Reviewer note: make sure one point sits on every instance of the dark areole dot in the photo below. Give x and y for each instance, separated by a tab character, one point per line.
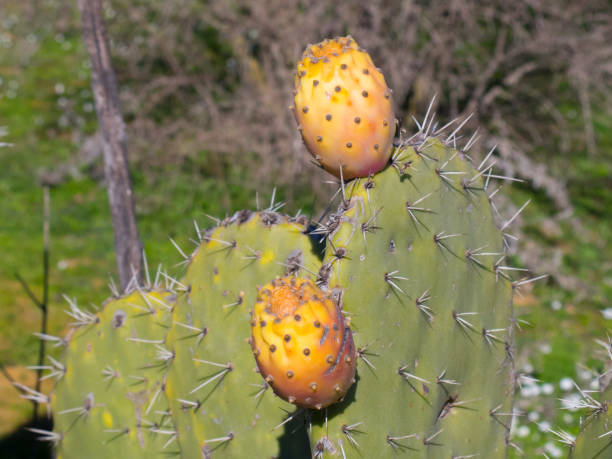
328	117
289	374
357	120
272	347
364	93
287	338
305	109
306	351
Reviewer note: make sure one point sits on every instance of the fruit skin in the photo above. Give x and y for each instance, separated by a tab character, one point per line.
343	108
301	344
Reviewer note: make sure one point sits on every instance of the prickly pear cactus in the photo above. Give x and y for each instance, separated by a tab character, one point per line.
343	108
109	401
407	323
413	250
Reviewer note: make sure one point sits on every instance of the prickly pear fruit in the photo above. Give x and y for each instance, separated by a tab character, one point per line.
301	343
343	108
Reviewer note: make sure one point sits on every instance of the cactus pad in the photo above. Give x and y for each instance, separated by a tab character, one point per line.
219	401
413	251
110	401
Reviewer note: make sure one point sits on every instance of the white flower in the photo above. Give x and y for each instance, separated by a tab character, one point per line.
522	431
607	313
544	426
566	384
547	388
533	416
553	449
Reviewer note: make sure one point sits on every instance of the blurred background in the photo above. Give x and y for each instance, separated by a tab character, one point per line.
205	88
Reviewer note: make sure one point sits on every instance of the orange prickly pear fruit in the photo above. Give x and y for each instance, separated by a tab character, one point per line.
302	345
343	108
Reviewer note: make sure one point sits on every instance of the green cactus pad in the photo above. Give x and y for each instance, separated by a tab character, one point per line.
110	402
411	253
220	405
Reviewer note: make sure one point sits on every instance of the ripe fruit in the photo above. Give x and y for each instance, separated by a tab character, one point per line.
302	345
343	108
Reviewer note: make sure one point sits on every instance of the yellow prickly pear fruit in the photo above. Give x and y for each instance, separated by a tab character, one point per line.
302	346
343	108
